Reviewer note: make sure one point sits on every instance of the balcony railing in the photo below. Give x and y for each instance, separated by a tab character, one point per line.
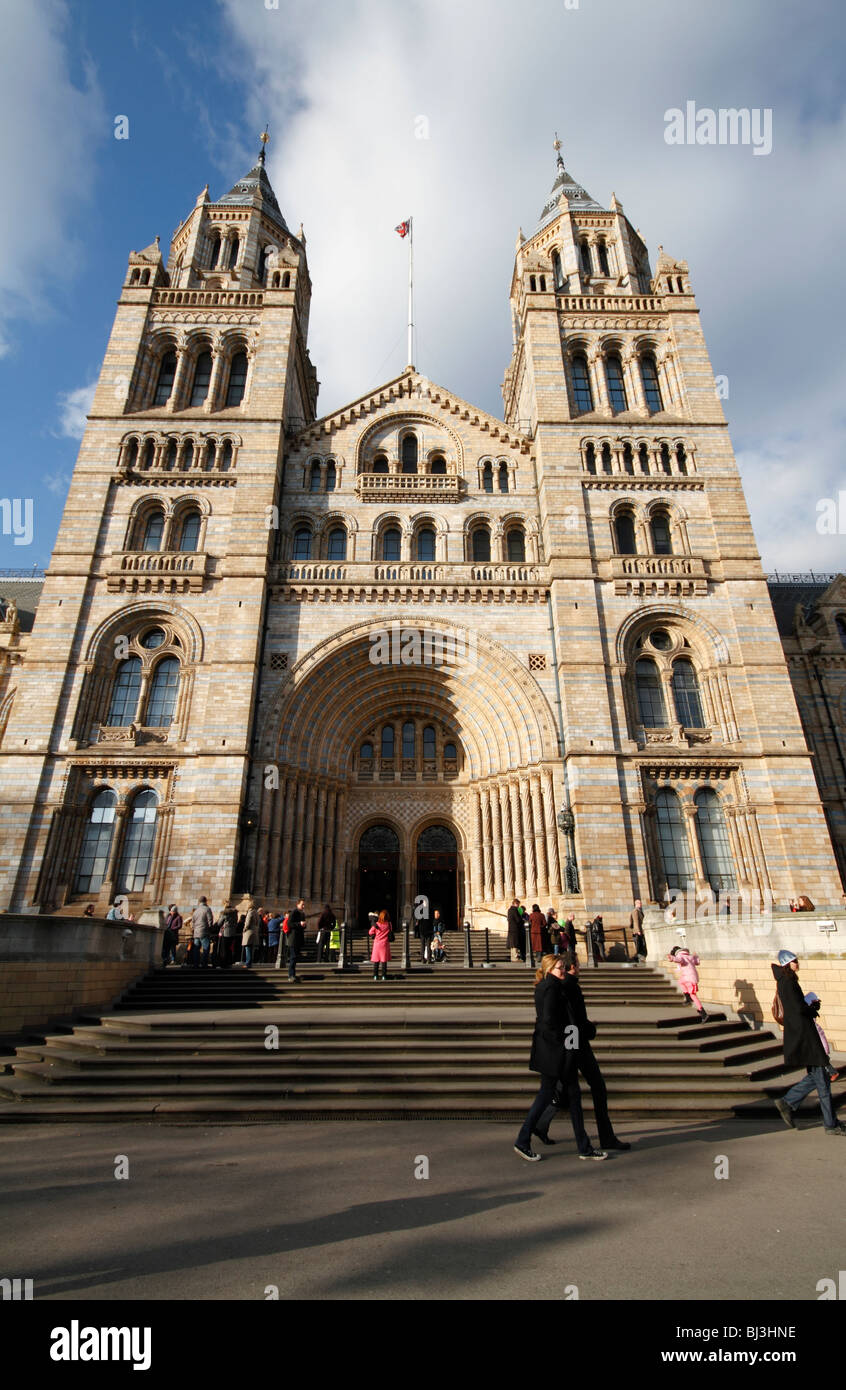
208	298
407	572
446	487
671	573
156	570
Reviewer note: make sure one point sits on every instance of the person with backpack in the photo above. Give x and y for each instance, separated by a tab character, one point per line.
802	1045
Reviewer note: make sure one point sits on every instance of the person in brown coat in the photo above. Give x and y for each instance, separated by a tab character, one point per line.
541	944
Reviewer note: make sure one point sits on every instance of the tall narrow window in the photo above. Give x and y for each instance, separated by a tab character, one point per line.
331	476
211	450
584	251
138	843
148	454
607	465
650	696
450	753
686	695
392	543
226	457
409	453
170	454
408	740
429	745
237	379
380	464
96	843
681	458
714	843
202	378
302	543
672	838
314	480
337	545
665	459
214	253
840	624
628	459
233	252
590	457
164	384
616	384
388	741
503	477
131	454
604	267
262	263
163	690
187	454
582	393
624	530
365	752
487	478
516	543
643	457
438	464
557	274
124	701
481	544
153	529
659	526
651	386
426	543
189	539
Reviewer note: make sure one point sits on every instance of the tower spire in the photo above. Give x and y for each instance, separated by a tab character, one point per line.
264	137
556	145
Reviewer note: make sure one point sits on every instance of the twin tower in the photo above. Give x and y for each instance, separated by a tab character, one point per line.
407	647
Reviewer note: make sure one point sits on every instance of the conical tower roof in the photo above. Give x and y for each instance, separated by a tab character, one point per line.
578	199
255	190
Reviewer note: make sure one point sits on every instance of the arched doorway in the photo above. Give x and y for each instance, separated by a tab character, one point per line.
378	873
438	876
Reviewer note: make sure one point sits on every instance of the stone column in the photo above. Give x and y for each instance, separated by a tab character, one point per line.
487	846
308	843
507	845
339	852
297	845
757	843
540	835
497	844
319	837
286	847
478	851
275	846
329	843
528	838
115	848
183	362
520	889
691	811
218	363
556	884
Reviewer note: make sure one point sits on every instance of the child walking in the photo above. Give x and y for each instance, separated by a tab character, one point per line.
812	998
688	976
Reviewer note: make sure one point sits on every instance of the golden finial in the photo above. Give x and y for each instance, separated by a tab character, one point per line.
264	137
556	144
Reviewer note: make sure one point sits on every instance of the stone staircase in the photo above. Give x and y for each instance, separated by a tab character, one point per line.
438	1043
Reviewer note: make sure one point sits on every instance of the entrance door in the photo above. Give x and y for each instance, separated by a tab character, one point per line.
437	873
378	874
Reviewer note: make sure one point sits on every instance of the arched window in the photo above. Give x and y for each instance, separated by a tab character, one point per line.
408	740
840	624
643	457
214	254
380	464
226	456
665	459
533	283
148	453
429	743
202	378
686	695
234	248
557	274
302	543
607	463
314	479
624	533
714	844
365	752
153	529
187	454
336	548
392	543
164	384
651	385
409	453
604	268
672	838
487	478
616	384
388	741
130	454
211	450
628	459
170	455
438	464
481	544
138	842
331	476
542	284
584	251
662	541
590	457
124	701
262	263
582	393
503	477
237	379
96	843
681	458
650	695
516	544
163	690
286	280
450	753
426	543
189	537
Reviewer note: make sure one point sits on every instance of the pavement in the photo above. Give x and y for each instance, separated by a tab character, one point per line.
336	1211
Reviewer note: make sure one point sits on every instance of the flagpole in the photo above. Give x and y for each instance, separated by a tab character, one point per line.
410	292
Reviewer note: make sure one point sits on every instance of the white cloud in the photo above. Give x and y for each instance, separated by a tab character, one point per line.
73	409
342	82
57	483
49	129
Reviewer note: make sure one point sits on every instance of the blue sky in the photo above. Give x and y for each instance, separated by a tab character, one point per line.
343	84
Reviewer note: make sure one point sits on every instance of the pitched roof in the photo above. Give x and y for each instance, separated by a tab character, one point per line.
787	592
255	189
25	593
578	199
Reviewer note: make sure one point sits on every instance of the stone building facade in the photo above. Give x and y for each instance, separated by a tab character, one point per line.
407	647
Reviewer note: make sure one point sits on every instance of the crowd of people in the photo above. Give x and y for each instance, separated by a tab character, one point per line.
200	940
553	934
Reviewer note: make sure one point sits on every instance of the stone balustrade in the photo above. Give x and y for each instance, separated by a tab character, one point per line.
156	570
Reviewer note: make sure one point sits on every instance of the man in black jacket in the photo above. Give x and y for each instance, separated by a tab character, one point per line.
802	1046
589	1068
295	937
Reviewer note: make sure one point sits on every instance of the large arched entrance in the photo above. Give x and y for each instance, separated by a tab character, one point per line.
378	873
439	876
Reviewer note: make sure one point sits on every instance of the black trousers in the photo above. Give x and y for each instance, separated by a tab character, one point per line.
587	1064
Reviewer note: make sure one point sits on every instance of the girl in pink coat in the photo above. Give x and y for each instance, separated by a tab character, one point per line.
381	954
688	976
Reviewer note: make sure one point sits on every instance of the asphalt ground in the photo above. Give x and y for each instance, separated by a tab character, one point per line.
337	1211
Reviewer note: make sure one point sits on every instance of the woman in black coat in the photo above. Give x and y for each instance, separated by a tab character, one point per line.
549	1055
802	1046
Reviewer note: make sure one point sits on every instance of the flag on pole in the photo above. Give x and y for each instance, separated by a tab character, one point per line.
404	228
